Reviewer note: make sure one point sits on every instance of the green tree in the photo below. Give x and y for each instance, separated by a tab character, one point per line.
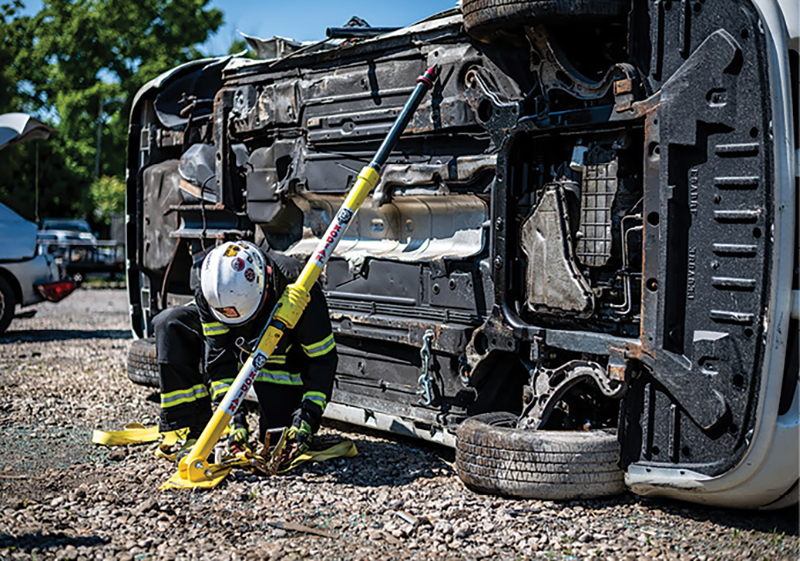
73	58
107	195
13	39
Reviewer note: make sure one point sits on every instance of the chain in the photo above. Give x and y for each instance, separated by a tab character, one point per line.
425	381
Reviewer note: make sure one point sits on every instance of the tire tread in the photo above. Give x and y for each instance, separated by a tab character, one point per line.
484	17
142	364
7	305
491	457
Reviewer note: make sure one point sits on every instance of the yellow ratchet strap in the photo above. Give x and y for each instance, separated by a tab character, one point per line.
136	433
345	449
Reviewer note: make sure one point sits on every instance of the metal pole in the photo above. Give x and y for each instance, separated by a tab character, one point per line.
36	186
424	83
99	138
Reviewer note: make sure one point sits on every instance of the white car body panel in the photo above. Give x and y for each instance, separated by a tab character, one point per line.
39	270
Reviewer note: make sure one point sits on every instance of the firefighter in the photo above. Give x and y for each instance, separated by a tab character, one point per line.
239	285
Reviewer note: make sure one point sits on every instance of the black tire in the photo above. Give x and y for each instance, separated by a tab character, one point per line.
142	363
494	457
485	18
8	303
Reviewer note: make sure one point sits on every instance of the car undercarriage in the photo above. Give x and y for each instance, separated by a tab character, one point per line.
588	223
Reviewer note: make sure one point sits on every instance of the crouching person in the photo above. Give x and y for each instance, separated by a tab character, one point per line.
239	286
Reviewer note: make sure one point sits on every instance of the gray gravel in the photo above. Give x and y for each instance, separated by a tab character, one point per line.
62	374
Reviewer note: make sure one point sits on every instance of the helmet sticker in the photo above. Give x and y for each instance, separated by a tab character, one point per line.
250	275
238	264
232	250
229	312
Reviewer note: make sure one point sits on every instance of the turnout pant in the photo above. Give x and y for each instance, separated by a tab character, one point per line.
185	397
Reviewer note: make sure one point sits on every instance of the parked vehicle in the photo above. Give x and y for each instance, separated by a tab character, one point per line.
77	249
26	275
76	227
580	265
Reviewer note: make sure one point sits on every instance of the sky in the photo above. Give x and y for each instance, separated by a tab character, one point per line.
306	20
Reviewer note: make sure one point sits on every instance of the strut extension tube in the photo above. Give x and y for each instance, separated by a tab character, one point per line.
194	470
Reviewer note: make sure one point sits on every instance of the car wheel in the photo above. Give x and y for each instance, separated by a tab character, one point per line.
142	363
493	456
7	304
484	19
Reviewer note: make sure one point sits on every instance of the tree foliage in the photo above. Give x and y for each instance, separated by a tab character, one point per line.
73	64
107	195
13	39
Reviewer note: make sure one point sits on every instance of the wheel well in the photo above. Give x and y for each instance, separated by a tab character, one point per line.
501	387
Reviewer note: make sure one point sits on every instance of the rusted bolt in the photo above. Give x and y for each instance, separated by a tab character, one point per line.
623	86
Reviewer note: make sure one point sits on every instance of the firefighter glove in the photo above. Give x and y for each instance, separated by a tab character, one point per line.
298	439
237	440
299	434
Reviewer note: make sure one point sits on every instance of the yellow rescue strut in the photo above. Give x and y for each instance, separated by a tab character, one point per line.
194	470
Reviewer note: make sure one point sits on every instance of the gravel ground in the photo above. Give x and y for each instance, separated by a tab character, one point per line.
62	375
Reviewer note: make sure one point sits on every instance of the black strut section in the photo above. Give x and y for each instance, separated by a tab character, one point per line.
357	32
685	27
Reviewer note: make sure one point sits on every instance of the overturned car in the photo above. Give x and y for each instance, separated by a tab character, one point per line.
579	267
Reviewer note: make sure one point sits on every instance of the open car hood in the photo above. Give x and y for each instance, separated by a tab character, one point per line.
19	127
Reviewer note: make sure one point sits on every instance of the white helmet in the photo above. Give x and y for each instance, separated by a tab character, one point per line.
233	279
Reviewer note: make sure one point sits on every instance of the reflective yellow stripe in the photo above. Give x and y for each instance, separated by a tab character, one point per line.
277	359
220	387
214	328
321	348
279	377
317	397
171	399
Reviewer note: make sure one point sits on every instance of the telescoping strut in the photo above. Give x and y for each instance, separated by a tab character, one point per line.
194	470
